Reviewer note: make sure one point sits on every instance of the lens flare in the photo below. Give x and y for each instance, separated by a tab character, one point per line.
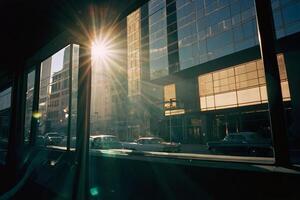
101	50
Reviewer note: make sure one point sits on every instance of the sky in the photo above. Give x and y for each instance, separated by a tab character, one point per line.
57	61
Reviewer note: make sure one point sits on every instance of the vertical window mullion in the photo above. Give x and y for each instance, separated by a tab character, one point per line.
70	98
35	106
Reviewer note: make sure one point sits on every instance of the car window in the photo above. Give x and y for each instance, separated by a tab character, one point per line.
141	141
155	141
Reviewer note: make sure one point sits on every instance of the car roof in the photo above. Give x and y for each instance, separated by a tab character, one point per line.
97	136
149	138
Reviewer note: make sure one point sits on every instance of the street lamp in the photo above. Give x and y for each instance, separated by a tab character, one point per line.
172	100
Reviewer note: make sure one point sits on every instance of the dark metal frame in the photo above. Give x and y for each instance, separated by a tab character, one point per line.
2	88
25	78
70	98
81	186
35	105
267	38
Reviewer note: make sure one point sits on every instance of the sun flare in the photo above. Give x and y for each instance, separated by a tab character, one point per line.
101	50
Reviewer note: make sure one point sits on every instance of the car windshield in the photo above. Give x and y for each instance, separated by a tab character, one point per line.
109	139
155	141
53	135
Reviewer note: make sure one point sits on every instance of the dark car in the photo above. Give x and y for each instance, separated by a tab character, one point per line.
53	138
152	144
242	143
105	142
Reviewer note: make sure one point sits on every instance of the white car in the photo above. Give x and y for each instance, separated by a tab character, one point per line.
105	142
152	144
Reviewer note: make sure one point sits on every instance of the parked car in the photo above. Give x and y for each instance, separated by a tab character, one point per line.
105	142
53	138
40	140
152	144
243	143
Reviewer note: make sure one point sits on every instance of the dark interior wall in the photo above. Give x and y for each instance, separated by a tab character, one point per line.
138	177
133	179
27	26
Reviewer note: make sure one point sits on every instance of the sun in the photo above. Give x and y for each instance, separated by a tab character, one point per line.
101	50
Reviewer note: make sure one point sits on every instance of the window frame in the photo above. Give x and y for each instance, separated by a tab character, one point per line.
3	87
34	63
61	42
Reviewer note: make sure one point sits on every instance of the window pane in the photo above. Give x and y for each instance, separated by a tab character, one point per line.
28	105
5	103
54	99
246	80
217	107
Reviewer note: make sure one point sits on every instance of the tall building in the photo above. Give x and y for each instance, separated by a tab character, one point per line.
45	78
109	87
197	65
101	98
58	103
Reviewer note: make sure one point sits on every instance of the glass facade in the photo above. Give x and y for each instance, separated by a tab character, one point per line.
237	86
170	96
211	29
286	17
183	33
134	52
158	39
194	32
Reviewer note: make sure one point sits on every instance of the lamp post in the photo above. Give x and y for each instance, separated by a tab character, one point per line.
172	100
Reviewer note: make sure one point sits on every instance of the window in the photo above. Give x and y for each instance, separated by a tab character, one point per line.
57	108
240	85
5	103
134	49
29	105
170	96
212	108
